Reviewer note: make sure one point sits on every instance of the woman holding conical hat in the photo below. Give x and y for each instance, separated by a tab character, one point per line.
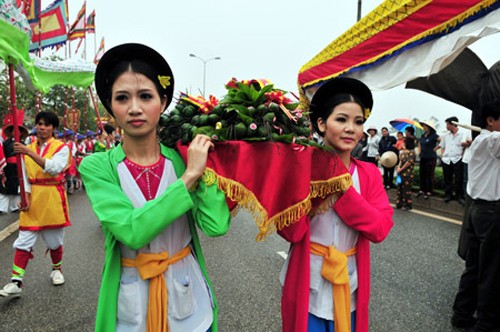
326	277
149	203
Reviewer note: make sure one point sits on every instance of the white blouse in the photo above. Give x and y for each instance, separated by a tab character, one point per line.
328	229
189	300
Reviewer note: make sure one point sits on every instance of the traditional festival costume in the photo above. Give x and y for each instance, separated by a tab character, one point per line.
138	229
48	213
89	145
370	221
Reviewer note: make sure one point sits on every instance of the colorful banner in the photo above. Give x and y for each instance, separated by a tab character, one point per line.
100	52
30	8
15	34
398	28
53	24
77	29
42	74
90	26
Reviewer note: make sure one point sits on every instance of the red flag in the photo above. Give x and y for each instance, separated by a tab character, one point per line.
100	52
77	29
90	26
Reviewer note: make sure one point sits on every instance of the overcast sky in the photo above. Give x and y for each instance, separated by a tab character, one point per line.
254	39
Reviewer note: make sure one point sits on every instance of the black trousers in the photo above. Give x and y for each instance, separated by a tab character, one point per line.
388	176
463	240
427	168
480	282
453	179
372	160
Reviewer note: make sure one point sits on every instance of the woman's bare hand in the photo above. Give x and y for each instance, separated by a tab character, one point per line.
197	159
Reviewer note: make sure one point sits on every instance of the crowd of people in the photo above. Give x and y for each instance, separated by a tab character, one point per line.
398	168
154	276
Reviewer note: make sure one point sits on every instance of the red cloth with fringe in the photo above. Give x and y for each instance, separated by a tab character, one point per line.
277	182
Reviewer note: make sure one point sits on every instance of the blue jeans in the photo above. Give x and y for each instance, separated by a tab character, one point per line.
316	324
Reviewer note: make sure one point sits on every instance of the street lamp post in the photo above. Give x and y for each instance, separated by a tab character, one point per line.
204	68
359	10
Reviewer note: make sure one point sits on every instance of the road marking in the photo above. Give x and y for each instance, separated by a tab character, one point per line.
434	216
9	230
283	254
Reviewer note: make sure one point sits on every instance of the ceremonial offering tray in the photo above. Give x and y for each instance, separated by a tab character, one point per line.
251	111
264	160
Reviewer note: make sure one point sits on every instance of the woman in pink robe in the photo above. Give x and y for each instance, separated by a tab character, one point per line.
360	215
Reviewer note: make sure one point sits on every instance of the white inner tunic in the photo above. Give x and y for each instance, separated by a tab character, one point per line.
189	300
328	229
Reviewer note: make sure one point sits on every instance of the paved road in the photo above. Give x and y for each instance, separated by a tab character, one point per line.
414	277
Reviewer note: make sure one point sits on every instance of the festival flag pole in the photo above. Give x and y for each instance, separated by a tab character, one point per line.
38	93
96	108
68	41
85	36
12	84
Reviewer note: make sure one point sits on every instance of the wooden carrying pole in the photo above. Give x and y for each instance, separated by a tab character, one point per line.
16	135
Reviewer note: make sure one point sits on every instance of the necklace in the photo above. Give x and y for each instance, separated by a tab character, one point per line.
147	177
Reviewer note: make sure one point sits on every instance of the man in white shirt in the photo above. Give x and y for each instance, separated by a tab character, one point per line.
451	161
372	146
479	288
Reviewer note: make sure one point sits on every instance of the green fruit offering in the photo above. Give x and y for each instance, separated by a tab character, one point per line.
176	119
262	109
274	107
203	120
213	118
195	120
164	120
188	111
180	107
262	131
218	110
249	111
268	117
186	126
174	112
240	130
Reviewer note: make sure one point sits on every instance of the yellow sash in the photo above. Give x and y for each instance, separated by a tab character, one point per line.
334	269
152	266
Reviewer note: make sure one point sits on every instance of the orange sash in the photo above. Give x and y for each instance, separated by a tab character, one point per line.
334	269
152	266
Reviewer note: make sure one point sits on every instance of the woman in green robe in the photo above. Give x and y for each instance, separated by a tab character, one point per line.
149	203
